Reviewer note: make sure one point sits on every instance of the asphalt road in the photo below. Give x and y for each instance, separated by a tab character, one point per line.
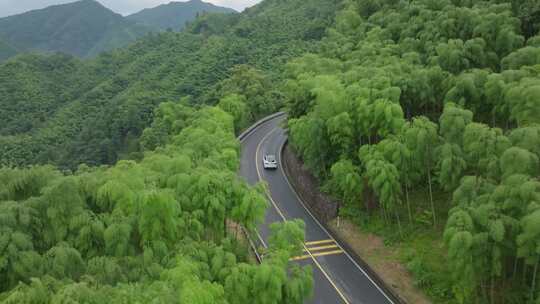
338	278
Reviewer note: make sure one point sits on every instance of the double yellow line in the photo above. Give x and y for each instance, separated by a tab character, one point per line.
309	254
319	248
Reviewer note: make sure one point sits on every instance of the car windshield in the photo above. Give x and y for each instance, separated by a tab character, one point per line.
271	158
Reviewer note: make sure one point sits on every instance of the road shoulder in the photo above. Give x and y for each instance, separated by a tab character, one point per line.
384	260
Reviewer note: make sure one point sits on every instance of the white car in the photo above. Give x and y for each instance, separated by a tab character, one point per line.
269	162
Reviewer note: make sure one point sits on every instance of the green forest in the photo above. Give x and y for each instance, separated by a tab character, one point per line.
118	174
65	111
159	230
119	180
425	116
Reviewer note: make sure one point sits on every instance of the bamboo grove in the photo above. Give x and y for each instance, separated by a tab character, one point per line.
434	97
162	230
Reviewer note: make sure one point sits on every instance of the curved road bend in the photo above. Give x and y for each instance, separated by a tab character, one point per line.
338	279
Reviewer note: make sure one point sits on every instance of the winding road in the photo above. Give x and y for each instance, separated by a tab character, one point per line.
338	278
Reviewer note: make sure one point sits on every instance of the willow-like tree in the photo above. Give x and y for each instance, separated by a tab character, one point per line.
528	244
422	139
345	181
160	222
383	178
452	123
450	162
235	105
519	161
483	146
524	101
527	138
459	240
397	153
250	209
340	129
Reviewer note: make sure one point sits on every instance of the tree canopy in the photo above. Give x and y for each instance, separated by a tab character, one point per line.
162	229
438	98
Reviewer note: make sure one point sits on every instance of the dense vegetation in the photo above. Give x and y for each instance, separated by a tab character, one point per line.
6	50
83	28
162	230
162	224
433	99
175	15
421	116
67	112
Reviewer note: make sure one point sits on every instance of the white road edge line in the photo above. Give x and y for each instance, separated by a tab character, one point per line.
260	238
242	137
322	227
257	150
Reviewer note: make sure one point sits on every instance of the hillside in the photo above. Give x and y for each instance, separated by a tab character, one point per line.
175	15
97	109
423	118
83	28
118	175
420	118
6	50
161	230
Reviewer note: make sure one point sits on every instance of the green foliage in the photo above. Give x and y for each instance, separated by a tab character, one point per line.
384	180
252	85
345	182
236	106
340	132
154	230
427	91
519	161
527	138
451	166
288	237
379	109
524	102
6	51
483	146
453	122
67	112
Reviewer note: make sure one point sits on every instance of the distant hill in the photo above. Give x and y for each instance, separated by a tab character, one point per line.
83	28
6	50
175	14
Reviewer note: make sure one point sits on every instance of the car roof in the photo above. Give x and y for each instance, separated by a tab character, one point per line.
270	157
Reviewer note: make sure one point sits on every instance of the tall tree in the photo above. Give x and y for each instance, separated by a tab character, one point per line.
422	139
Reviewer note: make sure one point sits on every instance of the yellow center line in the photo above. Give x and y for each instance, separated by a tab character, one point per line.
267	192
307	256
319	242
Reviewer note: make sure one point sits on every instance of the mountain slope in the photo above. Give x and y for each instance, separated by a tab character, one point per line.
112	97
6	50
175	15
80	28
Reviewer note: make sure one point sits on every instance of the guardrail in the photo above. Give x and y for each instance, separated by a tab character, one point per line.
254	126
241	137
365	266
